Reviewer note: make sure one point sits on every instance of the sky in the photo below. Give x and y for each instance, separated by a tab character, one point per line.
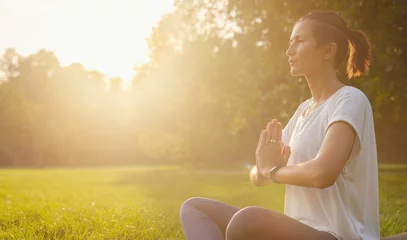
104	35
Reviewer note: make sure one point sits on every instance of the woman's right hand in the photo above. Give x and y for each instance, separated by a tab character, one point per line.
285	154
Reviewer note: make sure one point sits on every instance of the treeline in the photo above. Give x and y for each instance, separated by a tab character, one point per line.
218	73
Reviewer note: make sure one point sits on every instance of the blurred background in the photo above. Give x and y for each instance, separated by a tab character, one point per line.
185	82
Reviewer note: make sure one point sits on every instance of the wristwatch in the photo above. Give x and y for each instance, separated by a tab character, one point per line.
272	172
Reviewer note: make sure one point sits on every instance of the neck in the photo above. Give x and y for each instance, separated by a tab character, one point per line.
323	85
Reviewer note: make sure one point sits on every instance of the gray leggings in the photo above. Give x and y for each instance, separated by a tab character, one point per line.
207	219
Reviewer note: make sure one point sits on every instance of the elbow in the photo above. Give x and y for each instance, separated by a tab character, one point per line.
258	183
322	179
256	178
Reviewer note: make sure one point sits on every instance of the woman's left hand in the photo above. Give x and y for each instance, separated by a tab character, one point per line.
269	151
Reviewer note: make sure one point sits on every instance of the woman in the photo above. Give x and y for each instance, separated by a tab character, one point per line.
326	155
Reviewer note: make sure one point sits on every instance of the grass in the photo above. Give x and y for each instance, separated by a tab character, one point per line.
393	167
141	203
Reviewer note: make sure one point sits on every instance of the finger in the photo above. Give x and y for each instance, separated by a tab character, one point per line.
287	154
283	149
270	124
263	139
267	137
260	137
279	131
258	148
269	129
261	134
274	133
282	145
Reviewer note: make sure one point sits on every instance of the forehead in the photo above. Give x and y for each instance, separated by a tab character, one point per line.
302	29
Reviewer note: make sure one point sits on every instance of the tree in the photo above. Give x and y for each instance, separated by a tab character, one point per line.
226	60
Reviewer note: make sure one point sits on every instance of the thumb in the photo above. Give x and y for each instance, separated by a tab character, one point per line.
287	153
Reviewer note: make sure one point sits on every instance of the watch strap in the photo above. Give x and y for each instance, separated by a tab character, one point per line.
272	173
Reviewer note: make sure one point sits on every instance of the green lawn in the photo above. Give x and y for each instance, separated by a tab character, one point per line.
141	203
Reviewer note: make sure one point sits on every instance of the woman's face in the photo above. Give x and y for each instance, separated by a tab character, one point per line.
304	55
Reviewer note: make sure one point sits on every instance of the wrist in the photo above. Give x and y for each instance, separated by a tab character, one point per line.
272	173
262	176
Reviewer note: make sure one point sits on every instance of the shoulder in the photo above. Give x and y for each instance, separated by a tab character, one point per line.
349	103
351	95
349	91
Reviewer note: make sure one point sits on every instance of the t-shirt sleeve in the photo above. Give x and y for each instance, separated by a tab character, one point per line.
350	107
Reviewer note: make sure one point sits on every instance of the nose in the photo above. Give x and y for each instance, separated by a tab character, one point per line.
290	51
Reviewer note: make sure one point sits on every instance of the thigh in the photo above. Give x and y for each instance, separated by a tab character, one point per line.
219	212
261	223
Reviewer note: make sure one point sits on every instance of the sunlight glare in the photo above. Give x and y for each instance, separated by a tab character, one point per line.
107	36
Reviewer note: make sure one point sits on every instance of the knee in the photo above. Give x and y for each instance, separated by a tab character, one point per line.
244	224
189	204
244	216
192	202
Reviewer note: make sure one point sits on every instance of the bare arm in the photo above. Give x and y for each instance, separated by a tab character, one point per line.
322	171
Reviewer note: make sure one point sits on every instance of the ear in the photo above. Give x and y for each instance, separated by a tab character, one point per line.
330	50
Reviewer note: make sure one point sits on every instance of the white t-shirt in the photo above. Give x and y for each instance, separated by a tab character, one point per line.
349	209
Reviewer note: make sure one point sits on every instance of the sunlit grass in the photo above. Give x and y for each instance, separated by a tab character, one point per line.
393	167
140	203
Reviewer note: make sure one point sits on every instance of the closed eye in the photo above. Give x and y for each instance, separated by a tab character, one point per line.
295	41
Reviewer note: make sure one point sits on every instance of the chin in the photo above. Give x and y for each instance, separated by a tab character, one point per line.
296	73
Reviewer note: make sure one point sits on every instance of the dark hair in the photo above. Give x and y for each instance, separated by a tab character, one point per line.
330	27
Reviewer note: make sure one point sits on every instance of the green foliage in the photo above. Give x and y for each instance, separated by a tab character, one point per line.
225	61
54	115
141	203
218	73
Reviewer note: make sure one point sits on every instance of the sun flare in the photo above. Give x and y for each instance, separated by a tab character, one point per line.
107	36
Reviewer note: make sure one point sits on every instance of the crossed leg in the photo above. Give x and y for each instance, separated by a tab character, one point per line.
209	219
205	219
264	224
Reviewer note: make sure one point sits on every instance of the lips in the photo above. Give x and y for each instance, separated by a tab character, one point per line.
291	62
